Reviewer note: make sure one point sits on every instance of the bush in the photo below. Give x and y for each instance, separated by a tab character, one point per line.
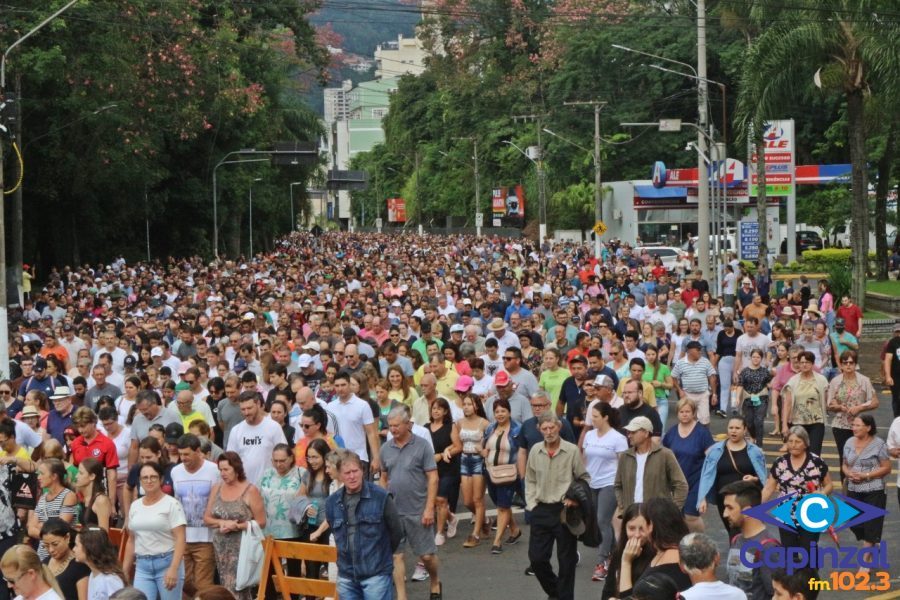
823	259
778	267
840	280
794	265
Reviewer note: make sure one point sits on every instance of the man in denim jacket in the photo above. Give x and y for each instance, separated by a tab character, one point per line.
367	531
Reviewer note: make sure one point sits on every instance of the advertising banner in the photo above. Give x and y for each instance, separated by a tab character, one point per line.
396	210
508	206
780	149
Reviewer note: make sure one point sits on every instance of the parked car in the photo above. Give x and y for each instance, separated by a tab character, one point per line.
668	254
806	240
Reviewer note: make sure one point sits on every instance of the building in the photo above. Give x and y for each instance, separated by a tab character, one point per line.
405	56
337	102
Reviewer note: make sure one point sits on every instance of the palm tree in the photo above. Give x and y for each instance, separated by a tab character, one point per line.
850	46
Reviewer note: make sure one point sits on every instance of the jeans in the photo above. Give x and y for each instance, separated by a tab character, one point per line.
725	368
605	501
662	407
149	574
379	587
547	529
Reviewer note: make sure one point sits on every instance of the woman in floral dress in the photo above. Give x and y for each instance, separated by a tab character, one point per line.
797	472
232	505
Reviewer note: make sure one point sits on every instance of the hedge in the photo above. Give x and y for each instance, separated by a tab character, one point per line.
823	259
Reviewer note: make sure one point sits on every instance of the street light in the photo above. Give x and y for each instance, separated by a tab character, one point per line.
252	181
225	161
540	175
293	222
702	93
598	207
4	325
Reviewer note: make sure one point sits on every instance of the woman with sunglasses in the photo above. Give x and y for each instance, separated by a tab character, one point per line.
849	395
156	544
26	577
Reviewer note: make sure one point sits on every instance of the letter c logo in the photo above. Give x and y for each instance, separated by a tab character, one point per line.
815	513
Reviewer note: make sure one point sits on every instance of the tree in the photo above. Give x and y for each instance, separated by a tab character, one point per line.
852	51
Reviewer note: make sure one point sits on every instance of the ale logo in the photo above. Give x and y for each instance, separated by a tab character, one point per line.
814	512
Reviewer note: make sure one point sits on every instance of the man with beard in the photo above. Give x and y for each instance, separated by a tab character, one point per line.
572	394
634	407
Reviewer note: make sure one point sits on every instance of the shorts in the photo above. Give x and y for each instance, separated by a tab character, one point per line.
502	495
471	465
416	537
448	485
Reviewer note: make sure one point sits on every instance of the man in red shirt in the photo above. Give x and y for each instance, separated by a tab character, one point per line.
852	316
689	293
93	444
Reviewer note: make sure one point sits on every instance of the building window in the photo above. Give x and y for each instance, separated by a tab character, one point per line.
379	113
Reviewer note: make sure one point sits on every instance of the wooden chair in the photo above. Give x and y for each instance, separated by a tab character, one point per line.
302	586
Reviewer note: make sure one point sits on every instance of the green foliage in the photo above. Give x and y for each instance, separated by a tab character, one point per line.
128	107
840	280
794	265
778	267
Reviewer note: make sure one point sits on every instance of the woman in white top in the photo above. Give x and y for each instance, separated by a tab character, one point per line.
124	402
156	544
93	548
26	576
600	448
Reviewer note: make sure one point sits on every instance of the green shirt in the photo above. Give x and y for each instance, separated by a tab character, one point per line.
551	382
662	372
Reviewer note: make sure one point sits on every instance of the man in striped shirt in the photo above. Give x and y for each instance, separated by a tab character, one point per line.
695	378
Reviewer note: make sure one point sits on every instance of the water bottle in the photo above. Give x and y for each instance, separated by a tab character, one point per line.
314	518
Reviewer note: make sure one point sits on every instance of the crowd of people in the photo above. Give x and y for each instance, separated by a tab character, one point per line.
360	390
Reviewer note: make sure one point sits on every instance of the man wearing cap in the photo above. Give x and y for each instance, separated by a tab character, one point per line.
552	466
892	369
39	380
60	416
497	330
520	410
695	378
93	444
647	469
311	375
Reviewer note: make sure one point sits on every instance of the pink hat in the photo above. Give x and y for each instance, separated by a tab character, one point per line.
502	379
464	384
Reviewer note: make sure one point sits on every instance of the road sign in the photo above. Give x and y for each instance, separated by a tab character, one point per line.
479	219
378	223
599	228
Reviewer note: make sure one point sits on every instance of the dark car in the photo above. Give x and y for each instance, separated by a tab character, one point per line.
806	240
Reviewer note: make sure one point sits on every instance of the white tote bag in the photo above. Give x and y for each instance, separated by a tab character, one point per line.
250	561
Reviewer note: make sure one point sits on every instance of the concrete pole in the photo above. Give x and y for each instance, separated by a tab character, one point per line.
477	191
598	194
703	183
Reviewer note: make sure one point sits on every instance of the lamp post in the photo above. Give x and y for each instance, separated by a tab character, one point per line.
598	208
540	175
4	325
293	222
702	92
225	161
252	181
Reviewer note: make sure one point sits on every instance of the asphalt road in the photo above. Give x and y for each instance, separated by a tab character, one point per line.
477	574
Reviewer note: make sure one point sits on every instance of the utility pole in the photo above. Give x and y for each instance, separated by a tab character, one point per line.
702	172
416	195
539	163
598	193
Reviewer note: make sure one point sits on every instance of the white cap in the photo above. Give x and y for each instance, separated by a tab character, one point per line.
304	361
158	351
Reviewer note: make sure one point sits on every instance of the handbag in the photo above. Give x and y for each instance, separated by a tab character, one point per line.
25	490
250	558
501	474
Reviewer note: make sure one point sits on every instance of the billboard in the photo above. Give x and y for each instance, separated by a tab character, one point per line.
396	208
780	147
508	206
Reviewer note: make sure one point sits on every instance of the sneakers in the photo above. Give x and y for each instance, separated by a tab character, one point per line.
420	574
471	542
529	571
722	414
439	539
496	550
514	539
451	526
599	572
